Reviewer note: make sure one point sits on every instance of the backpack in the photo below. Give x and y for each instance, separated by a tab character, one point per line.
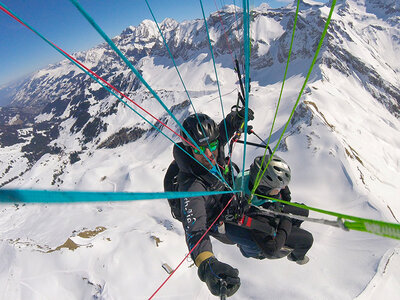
171	185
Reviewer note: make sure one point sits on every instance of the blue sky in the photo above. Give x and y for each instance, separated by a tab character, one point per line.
22	52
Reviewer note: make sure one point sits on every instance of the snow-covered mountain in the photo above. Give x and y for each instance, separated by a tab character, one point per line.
342	145
8	91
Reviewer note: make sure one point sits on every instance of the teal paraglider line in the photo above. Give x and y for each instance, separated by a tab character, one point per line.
180	77
280	94
86	70
45	196
138	75
170	54
215	68
246	37
216	75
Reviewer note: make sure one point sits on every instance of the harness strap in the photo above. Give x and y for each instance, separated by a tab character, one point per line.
253	224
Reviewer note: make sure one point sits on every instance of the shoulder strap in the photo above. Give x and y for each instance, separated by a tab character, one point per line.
170	176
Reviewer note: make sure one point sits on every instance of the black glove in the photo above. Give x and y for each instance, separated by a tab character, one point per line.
249	129
285	224
277	206
241	114
237	117
212	271
271	245
286	194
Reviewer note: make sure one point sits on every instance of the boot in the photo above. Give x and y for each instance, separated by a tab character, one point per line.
303	261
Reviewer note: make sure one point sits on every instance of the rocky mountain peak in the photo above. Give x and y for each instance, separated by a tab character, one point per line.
72	106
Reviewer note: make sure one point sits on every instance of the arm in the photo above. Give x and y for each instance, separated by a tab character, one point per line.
234	121
288	209
270	245
210	270
195	224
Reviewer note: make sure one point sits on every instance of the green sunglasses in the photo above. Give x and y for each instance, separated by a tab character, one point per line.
212	147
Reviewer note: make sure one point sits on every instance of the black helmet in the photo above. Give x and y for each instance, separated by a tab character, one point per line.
276	176
202	135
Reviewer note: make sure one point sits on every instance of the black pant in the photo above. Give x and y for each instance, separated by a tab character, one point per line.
300	241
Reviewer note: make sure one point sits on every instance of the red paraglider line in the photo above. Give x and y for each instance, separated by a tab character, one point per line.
165	281
97	76
226	36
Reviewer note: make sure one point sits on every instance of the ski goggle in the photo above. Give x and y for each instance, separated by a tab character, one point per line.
212	147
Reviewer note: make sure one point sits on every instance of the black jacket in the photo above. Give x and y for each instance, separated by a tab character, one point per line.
271	245
200	212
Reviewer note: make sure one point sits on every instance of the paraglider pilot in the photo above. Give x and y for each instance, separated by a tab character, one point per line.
198	213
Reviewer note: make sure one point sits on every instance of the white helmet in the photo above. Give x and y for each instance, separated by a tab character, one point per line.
276	176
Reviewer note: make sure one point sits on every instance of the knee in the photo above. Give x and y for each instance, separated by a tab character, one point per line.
308	238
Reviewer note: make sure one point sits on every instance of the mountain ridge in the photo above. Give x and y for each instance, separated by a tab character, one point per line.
342	145
62	92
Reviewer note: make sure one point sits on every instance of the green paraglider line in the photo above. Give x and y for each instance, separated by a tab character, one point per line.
386	229
258	178
31	196
300	94
95	77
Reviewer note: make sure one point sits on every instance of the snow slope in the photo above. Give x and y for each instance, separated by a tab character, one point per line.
342	146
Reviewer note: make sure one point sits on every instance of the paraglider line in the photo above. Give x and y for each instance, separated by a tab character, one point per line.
300	94
180	77
139	76
80	66
257	180
190	252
